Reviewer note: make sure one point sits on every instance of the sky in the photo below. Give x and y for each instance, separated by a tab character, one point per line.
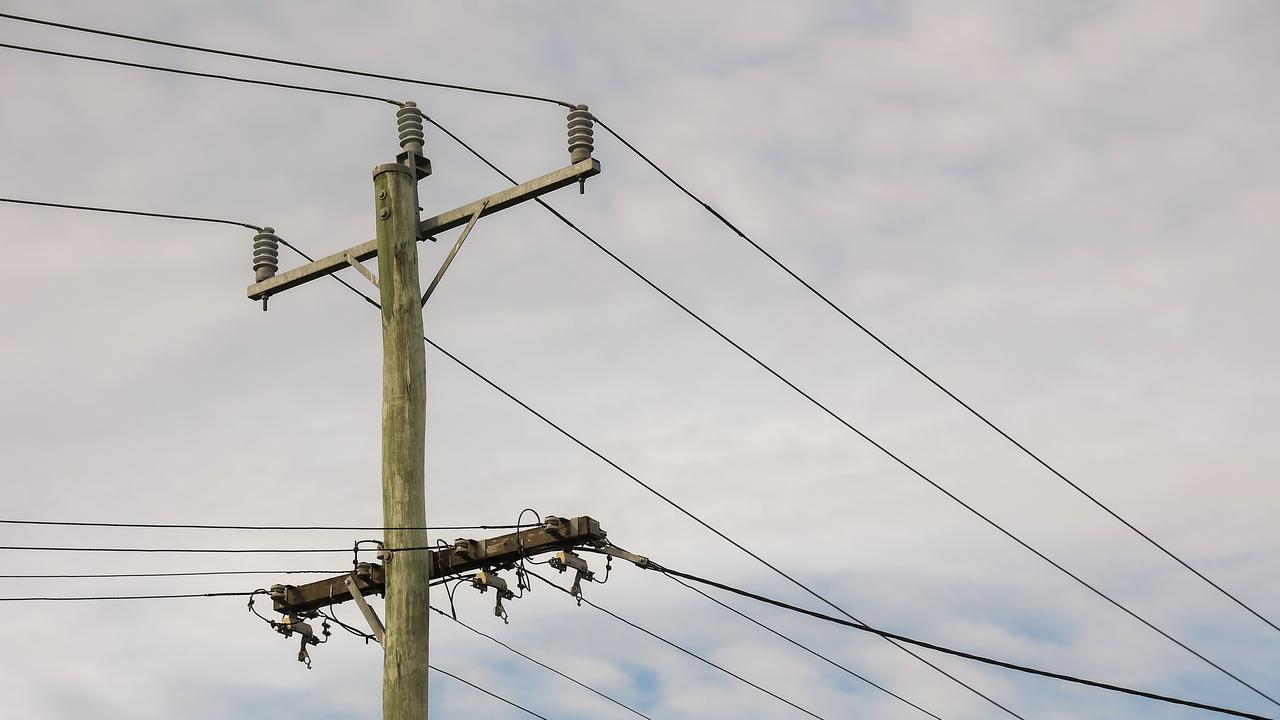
1066	213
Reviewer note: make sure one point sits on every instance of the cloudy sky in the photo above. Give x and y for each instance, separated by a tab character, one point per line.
1065	211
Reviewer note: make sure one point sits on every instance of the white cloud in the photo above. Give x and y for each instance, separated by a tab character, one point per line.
1063	211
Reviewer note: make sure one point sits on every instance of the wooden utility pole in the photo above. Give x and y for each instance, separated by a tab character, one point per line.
404	419
404	391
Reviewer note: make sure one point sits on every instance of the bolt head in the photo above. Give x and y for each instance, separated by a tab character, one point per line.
384	213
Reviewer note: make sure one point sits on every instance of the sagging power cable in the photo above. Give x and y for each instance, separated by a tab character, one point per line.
862	627
671	644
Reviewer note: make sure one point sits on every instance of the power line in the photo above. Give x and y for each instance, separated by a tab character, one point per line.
169	596
684	650
541	664
487	692
168	574
922	373
802	646
874	443
290	63
44	548
118	211
180	526
950	651
193	73
180	550
124	597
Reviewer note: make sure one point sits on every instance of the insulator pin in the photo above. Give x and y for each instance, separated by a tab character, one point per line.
266	254
581	134
409	121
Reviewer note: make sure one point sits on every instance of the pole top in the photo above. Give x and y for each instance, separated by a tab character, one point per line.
391	167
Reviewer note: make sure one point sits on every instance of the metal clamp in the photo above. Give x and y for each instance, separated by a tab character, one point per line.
486	579
565	560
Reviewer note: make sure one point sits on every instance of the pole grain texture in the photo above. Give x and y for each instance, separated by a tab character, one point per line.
404	397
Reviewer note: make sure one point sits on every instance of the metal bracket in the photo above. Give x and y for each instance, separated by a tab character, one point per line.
567	559
614	551
355	263
454	251
486	579
370	616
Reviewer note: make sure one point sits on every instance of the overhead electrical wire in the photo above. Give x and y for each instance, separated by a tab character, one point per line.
82	576
438	581
671	644
193	73
950	651
706	206
490	693
290	63
124	597
801	645
543	665
209	550
117	211
42	548
181	526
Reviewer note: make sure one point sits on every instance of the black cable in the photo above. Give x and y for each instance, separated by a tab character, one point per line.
290	63
688	652
543	665
950	651
804	647
637	480
874	443
174	550
198	550
179	526
170	574
932	381
118	211
193	73
486	692
126	597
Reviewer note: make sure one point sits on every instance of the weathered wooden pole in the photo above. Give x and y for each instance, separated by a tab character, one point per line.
404	391
404	419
